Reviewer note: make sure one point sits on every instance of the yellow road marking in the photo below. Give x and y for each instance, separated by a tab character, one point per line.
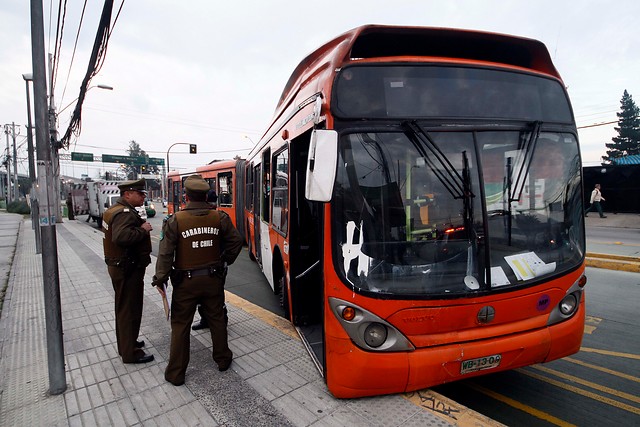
581	392
601	369
614	243
610	353
595	321
448	409
590	384
521	406
590	324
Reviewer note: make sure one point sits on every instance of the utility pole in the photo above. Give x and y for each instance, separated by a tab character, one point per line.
47	214
16	180
9	192
12	193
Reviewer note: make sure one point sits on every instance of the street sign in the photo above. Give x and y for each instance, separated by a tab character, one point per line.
155	161
110	158
82	157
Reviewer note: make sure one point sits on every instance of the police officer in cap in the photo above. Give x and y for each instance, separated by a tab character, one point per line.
196	245
127	249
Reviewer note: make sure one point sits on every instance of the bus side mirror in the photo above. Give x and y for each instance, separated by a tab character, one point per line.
321	165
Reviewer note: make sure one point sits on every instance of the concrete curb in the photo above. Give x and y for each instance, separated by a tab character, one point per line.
613	262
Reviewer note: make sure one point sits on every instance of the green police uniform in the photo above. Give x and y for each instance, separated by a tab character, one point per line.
127	249
197	242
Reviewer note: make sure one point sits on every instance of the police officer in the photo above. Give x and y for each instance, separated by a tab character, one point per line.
198	242
127	249
212	199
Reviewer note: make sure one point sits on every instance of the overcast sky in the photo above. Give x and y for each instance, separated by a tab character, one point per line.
210	72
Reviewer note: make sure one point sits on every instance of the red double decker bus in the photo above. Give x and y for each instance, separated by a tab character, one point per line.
417	203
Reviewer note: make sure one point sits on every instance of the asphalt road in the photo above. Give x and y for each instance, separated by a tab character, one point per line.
611	240
599	386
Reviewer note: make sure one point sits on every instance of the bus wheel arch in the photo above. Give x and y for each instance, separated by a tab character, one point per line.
281	285
252	257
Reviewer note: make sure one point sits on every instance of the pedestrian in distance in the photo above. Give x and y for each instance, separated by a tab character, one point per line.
127	253
596	198
197	244
70	212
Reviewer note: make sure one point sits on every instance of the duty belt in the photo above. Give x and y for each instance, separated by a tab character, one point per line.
200	272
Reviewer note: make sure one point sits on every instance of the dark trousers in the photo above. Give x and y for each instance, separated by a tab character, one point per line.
598	207
129	288
209	293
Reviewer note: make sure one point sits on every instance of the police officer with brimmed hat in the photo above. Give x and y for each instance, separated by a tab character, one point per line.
139	186
197	244
127	252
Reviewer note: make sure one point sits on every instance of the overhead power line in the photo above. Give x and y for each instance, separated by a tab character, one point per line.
598	124
95	63
75	46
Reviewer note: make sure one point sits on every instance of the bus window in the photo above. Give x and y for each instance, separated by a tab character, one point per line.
266	185
280	192
225	189
249	187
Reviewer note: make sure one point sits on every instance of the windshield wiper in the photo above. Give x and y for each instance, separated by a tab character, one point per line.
524	160
446	173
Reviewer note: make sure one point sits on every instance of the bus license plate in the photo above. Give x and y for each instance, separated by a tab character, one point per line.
487	362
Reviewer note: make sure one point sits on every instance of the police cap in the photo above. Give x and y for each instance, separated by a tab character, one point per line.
138	185
195	184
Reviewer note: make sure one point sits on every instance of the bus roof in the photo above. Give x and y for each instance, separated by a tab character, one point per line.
376	41
217	165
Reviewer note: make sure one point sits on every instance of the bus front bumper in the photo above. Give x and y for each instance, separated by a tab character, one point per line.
352	372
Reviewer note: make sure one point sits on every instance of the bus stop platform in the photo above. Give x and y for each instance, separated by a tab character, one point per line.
272	381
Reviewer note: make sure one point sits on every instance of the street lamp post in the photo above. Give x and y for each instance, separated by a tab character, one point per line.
32	168
105	87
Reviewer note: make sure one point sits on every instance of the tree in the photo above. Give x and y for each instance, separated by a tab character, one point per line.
628	140
132	171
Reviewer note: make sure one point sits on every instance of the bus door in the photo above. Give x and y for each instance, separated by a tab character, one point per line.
264	245
256	211
305	240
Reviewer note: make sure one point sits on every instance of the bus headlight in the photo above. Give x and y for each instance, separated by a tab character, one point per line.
375	335
568	305
367	330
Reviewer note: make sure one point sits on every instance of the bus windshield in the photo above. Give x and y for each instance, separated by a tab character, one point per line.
436	214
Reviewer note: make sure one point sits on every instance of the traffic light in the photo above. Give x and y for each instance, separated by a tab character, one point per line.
193	149
143	168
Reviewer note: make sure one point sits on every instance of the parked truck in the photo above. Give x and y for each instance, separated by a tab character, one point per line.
102	195
79	198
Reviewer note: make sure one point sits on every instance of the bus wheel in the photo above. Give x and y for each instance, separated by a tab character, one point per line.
284	295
